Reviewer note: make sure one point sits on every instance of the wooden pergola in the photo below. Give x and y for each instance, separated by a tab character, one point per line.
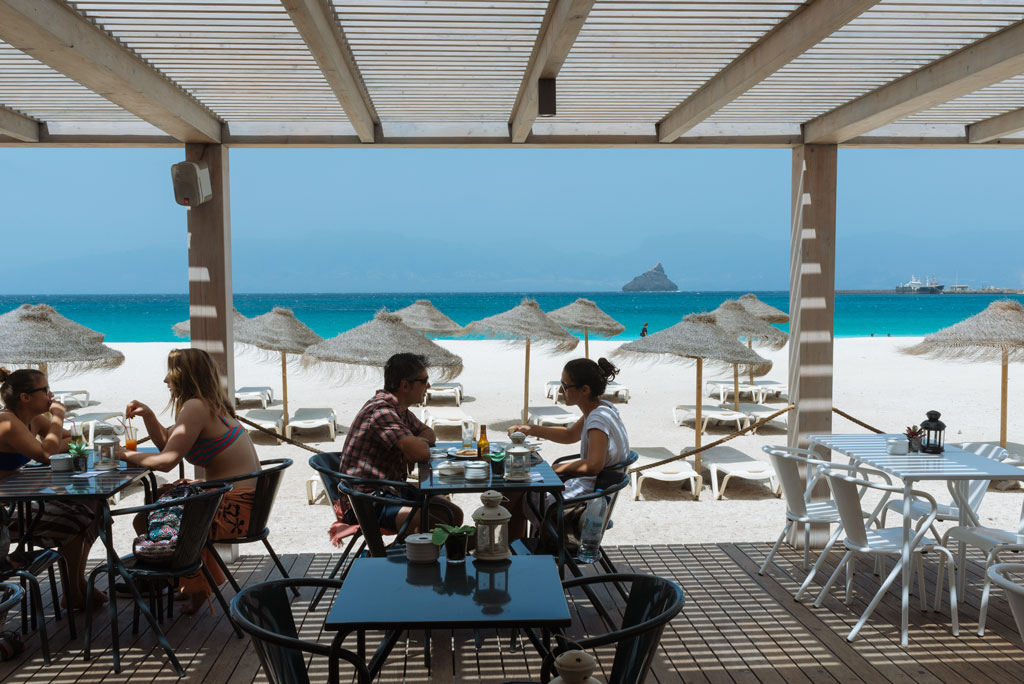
810	76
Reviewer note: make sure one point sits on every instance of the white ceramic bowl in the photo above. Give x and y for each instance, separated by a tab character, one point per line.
897	446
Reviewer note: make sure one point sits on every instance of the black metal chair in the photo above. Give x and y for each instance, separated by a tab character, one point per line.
264	613
362	504
651	603
27	563
197	515
327	464
268	481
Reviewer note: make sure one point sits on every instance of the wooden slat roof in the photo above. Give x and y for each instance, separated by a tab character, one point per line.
453	72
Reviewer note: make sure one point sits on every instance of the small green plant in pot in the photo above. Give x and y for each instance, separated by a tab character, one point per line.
914	434
80	455
455	540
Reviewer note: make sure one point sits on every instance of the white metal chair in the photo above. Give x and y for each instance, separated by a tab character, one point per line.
801	508
1014	590
992	542
975	491
881	542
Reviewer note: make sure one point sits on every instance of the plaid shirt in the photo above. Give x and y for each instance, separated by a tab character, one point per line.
371	447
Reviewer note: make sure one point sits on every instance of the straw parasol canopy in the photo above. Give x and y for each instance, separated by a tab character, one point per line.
695	337
585	315
37	334
525	322
374	342
280	331
766	312
995	334
733	318
184	328
423	316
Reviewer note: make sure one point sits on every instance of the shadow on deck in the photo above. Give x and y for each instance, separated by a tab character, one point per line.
735	627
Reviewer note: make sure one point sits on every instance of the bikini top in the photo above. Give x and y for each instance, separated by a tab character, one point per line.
203	451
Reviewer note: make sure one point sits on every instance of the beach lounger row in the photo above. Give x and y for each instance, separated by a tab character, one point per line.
615	390
759	390
721	461
302	419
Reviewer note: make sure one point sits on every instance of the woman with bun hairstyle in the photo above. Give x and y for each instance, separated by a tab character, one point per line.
207	434
601	433
28	434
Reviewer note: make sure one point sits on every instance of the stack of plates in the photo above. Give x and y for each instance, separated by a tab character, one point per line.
477	470
419	548
451	469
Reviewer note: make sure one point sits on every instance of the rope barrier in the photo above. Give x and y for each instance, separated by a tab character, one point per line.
725	439
850	418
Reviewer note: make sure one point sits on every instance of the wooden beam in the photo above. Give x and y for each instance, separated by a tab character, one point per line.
988	61
555	39
800	31
996	127
53	33
18	126
326	41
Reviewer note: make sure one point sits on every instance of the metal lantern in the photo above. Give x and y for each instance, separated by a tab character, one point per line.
491	522
934	433
517	463
106	458
492	586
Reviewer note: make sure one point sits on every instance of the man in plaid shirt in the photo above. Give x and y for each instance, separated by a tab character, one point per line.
386	440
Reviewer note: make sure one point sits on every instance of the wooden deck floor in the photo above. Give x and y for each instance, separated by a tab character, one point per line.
735	627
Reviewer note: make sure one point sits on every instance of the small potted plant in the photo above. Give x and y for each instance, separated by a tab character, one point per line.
79	455
914	434
454	539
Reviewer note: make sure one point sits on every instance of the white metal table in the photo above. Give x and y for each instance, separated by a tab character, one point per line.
954	466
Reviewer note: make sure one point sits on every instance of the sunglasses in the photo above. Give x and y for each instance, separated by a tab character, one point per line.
44	388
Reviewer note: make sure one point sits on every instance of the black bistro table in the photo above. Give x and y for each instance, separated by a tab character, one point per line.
41	484
543	479
394	595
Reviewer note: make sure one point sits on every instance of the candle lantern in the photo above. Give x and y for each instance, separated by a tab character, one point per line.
491	522
517	463
104	446
492	585
934	433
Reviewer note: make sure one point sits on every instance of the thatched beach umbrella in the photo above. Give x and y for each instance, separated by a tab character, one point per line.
766	312
525	322
278	331
585	315
995	334
184	328
695	337
37	334
374	342
423	316
732	317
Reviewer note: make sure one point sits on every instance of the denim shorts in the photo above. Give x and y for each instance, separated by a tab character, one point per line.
387	515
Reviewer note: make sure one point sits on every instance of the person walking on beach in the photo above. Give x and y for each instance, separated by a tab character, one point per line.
386	439
643	331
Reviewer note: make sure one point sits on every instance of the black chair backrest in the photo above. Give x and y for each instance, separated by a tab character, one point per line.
652	603
362	503
630	459
197	516
327	464
264	612
10	596
268	481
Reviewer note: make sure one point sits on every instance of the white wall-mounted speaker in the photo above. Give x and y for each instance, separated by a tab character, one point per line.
192	184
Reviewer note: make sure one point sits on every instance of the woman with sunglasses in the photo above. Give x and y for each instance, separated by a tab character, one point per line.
601	433
27	433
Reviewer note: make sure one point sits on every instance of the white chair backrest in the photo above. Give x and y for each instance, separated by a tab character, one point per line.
844	491
787	467
977	488
1014	591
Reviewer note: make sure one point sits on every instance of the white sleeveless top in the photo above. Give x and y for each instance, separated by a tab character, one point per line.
606	419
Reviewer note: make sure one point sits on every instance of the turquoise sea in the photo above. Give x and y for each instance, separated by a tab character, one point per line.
148	318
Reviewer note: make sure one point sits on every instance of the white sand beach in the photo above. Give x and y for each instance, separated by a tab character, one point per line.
873	382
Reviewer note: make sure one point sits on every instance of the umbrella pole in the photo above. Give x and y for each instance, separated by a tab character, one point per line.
526	385
1002	407
284	388
43	368
750	345
697	425
736	386
586	342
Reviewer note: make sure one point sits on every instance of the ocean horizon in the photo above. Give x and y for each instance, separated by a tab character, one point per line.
149	317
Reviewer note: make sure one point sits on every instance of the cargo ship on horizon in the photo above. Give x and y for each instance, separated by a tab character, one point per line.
915	286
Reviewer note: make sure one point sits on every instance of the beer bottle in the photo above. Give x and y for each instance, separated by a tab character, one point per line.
483	447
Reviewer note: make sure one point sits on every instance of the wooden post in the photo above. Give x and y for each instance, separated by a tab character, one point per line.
700	400
750	346
209	265
736	386
1002	403
586	342
812	304
526	386
284	390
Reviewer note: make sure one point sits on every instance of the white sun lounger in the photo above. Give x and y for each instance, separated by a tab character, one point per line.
724	389
677	471
312	418
756	412
687	412
87	422
773	387
452	388
446	416
730	462
262	394
77	398
553	391
270	419
551	415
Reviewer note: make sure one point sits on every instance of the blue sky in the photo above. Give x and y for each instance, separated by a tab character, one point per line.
392	220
